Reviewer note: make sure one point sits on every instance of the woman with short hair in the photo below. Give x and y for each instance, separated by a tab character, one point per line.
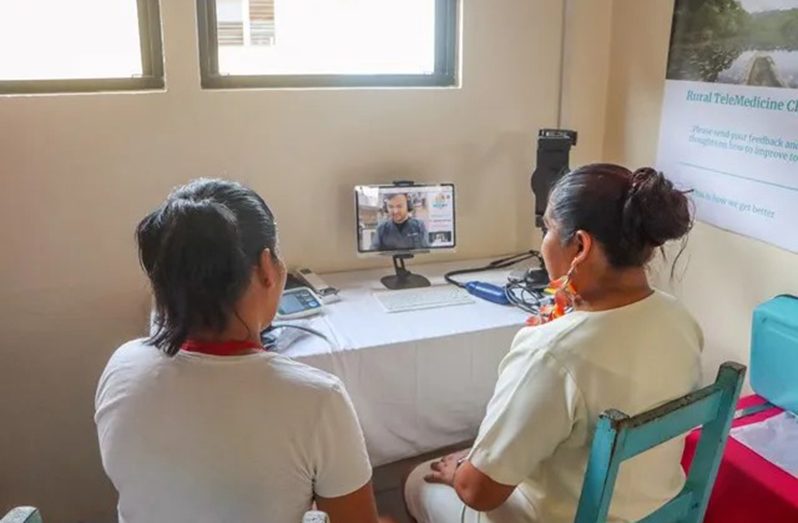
199	423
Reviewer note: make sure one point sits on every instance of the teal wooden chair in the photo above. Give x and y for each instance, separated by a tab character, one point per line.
620	437
31	515
22	515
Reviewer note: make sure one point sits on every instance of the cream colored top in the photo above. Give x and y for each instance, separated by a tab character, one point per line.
559	377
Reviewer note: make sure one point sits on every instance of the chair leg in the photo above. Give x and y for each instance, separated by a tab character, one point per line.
22	515
709	451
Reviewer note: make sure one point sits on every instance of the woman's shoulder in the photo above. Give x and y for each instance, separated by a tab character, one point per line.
663	300
662	312
139	355
584	334
129	363
302	375
135	352
548	335
316	390
680	315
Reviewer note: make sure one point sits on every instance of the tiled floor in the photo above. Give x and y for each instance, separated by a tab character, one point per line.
391	503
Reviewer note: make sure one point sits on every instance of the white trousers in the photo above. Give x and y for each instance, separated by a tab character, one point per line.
436	503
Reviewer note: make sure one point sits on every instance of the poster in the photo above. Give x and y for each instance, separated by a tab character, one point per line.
729	127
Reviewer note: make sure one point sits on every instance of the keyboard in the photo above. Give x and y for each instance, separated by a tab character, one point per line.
423	298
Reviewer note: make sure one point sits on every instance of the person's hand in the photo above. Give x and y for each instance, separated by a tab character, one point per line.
442	471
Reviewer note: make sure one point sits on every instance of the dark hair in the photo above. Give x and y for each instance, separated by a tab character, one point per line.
389	197
198	250
629	213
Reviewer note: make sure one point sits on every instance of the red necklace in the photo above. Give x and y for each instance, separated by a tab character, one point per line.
220	348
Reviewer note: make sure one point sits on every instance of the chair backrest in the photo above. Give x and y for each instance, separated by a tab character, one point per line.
620	437
22	515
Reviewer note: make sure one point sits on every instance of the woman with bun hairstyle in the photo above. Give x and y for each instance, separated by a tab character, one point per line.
622	344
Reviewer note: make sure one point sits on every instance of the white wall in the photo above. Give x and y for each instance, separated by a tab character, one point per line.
726	274
78	171
585	82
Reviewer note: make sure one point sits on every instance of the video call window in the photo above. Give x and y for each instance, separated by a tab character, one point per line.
405	219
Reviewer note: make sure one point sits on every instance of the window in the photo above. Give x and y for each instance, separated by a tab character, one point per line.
327	43
79	45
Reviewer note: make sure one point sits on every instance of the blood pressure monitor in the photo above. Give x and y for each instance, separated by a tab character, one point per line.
298	302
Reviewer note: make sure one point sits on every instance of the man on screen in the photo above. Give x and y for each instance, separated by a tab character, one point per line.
402	231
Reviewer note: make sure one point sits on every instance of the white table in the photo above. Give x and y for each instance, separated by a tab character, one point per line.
419	380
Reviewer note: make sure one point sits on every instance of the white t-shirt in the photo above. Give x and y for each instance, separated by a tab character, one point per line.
199	438
554	383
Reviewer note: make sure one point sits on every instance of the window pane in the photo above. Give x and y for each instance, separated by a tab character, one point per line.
68	39
306	37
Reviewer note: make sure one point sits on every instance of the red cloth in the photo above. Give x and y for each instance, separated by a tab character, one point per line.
748	489
220	348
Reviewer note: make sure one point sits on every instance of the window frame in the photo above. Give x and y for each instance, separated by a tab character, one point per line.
152	68
446	45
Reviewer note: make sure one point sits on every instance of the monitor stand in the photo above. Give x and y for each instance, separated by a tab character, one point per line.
403	279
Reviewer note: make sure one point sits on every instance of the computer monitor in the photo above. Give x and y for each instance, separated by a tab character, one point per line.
402	220
405	218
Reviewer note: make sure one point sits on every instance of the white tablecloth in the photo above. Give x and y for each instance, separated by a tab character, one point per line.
419	380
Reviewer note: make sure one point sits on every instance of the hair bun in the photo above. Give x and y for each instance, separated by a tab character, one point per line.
654	211
640	176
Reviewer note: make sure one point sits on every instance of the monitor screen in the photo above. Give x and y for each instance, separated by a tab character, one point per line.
405	218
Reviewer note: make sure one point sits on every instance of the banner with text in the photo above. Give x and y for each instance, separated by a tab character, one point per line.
730	114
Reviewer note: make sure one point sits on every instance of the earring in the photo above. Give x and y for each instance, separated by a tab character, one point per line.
561	296
567	283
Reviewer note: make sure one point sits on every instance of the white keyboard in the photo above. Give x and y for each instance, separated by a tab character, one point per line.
423	298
